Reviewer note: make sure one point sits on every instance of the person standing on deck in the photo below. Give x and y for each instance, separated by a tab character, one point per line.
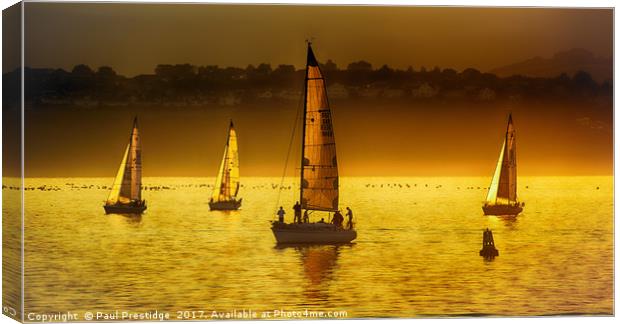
306	217
281	215
350	215
297	209
337	219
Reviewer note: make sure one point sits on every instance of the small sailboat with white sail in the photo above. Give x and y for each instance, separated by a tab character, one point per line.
126	194
502	196
224	196
319	170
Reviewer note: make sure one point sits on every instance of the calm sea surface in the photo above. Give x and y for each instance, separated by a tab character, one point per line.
416	252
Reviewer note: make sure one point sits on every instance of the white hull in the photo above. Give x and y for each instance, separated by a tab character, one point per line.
316	233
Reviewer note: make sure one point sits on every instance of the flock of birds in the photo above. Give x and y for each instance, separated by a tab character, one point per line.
72	186
273	186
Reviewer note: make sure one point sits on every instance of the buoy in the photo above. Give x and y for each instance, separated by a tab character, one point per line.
488	245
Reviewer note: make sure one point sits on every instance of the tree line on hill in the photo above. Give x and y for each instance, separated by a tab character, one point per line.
187	85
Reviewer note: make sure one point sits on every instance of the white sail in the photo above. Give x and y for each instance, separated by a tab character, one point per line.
319	168
227	181
503	189
115	193
492	194
128	182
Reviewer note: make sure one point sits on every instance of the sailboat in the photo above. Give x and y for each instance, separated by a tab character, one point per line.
125	196
502	195
224	196
319	168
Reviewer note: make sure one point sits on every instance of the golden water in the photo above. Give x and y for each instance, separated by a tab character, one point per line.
416	253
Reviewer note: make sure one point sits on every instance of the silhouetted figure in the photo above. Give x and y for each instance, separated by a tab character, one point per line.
350	216
322	220
306	217
297	209
281	215
337	219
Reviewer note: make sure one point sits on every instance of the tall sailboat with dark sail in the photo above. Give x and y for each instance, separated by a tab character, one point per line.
319	169
502	195
126	195
224	196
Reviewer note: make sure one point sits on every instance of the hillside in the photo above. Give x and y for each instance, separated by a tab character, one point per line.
568	62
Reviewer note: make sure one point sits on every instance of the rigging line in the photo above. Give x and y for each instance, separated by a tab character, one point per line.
290	146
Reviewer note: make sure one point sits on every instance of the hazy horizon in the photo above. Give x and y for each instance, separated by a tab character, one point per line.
372	140
342	66
133	38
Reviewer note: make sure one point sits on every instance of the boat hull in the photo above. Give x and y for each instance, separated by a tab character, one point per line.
124	209
499	210
225	205
313	233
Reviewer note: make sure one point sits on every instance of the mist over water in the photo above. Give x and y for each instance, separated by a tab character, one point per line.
416	253
374	138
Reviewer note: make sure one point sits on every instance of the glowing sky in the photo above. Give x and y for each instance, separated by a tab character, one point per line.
133	38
